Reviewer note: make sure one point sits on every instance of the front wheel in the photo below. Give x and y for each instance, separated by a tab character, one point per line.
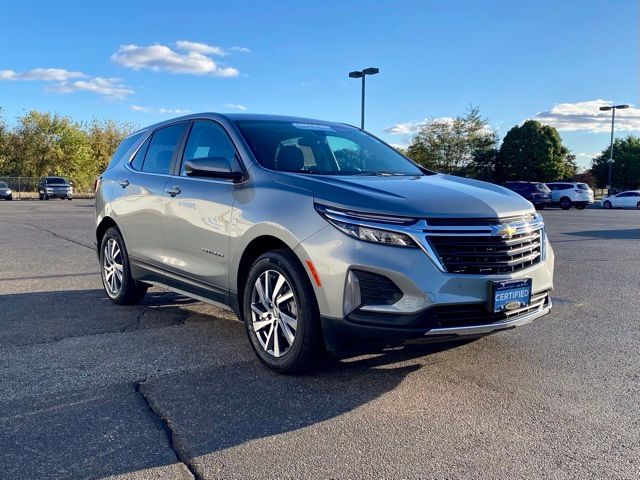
607	204
281	314
118	283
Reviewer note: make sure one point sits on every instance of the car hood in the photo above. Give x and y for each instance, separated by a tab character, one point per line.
4	190
415	196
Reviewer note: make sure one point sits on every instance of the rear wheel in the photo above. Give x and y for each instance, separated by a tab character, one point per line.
120	287
565	203
606	204
281	314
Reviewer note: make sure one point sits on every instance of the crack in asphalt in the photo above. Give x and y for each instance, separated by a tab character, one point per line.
174	443
90	247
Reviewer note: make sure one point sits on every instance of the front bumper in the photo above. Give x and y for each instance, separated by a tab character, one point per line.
424	286
343	334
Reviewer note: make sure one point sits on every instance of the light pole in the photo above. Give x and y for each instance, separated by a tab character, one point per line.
613	109
362	74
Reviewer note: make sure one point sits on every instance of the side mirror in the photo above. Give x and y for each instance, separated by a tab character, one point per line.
211	167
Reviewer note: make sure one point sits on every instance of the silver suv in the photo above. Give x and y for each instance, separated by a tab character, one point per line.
319	236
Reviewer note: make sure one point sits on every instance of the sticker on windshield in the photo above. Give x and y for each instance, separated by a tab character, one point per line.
313	126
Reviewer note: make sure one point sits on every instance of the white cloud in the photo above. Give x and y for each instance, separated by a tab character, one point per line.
586	116
239	49
413	127
41	74
162	58
111	88
236	106
164	111
200	48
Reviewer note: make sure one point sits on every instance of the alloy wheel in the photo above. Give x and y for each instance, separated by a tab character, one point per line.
274	313
112	266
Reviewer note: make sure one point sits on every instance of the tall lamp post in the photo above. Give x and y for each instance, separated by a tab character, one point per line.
613	109
362	74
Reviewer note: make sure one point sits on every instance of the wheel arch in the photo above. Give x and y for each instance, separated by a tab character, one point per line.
105	224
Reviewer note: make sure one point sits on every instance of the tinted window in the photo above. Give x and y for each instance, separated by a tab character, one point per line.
161	149
516	187
55	181
583	186
321	149
138	159
123	148
3	185
208	139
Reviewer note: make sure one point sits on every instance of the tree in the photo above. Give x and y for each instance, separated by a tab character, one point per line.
626	164
104	137
533	151
454	146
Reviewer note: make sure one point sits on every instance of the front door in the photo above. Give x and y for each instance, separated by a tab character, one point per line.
197	214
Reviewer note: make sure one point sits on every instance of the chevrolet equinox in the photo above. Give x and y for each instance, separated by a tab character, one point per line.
317	235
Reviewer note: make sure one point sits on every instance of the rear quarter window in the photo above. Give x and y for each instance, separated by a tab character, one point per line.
124	147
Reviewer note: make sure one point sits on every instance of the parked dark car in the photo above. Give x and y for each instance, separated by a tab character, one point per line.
5	191
54	187
536	192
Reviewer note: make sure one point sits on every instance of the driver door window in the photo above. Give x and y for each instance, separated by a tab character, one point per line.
207	139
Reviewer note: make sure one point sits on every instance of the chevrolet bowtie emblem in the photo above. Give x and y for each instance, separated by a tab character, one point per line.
504	231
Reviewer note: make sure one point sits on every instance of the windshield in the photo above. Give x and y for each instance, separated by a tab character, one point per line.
3	185
55	180
321	149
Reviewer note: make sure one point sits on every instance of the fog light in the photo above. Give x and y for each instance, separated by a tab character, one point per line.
352	297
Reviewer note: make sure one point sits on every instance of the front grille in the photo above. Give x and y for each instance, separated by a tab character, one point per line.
487	255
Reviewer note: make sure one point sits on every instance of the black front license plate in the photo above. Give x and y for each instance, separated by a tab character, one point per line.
510	295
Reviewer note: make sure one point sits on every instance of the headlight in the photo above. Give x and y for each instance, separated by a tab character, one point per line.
9	191
355	225
49	189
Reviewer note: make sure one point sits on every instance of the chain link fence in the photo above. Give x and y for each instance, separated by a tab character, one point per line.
27	187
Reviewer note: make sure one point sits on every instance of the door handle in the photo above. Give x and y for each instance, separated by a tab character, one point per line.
173	191
124	183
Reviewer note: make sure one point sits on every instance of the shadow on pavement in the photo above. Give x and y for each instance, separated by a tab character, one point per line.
27	318
626	234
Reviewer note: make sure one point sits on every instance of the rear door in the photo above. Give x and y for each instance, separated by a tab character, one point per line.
138	194
197	214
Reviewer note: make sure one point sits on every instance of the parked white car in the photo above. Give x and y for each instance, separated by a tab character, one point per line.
568	194
628	199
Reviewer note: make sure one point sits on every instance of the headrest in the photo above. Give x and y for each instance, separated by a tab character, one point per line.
290	159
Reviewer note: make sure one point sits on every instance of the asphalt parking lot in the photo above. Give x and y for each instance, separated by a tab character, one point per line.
170	389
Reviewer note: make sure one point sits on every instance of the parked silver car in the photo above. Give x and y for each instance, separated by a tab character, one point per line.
317	235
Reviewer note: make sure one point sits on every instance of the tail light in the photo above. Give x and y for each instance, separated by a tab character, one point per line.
96	184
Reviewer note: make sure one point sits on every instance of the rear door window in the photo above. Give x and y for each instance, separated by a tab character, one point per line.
162	148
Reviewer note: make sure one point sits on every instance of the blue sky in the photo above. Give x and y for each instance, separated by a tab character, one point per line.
147	61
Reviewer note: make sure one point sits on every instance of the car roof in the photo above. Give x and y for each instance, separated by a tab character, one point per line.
233	117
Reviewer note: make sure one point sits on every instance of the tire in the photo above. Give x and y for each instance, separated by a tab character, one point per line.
40	196
126	291
69	198
565	203
46	197
638	205
607	204
580	207
272	342
10	198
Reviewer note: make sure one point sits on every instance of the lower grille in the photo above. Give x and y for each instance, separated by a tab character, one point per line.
466	315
